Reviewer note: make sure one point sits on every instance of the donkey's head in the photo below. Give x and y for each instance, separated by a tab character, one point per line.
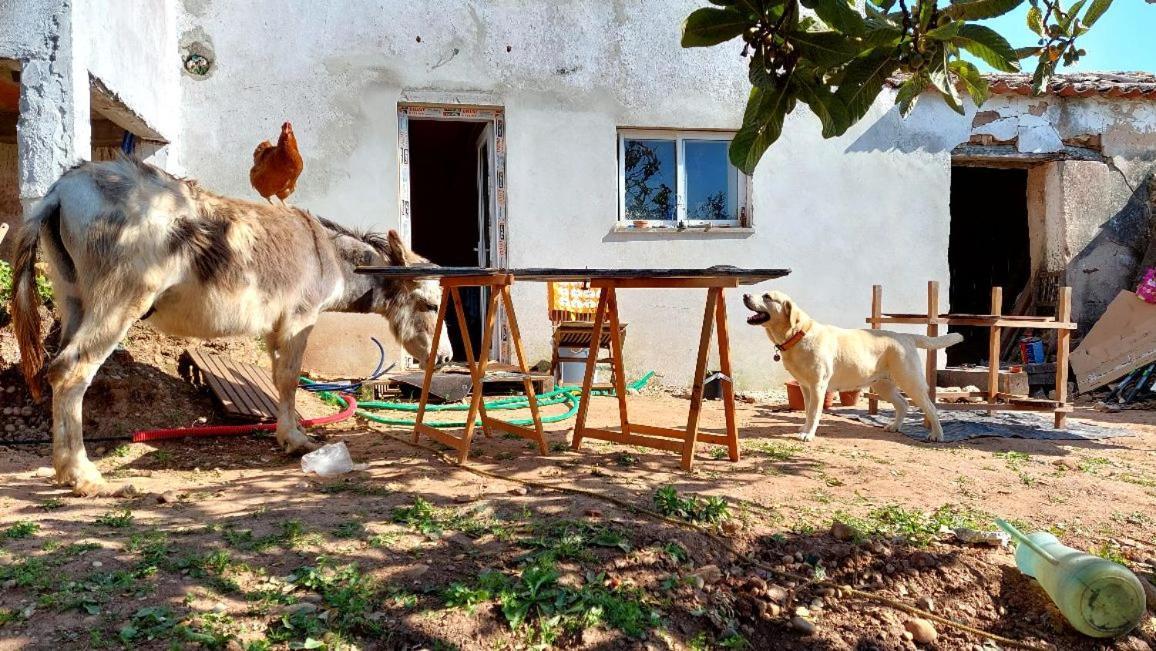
411	306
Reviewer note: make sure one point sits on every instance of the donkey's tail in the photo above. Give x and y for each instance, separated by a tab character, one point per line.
935	343
25	299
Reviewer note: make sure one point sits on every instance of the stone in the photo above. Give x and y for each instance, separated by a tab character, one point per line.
167	497
803	626
921	630
731	527
710	573
776	593
1066	464
518	490
842	531
466	498
925	603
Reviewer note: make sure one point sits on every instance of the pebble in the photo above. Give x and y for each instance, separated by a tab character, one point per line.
921	630
788	559
925	603
518	490
1066	464
842	531
167	497
776	593
466	499
710	573
97	564
802	611
803	626
756	585
774	610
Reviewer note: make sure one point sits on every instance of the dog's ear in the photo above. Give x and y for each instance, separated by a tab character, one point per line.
794	316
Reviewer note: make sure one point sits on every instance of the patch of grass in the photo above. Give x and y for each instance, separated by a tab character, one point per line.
1139	480
20	530
351	529
916	527
571	540
677	552
52	503
116	519
1026	479
559	446
711	510
148	624
1013	458
626	460
775	450
1110	552
1093	465
430	520
719	453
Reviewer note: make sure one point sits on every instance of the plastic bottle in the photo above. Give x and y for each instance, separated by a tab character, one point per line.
1098	597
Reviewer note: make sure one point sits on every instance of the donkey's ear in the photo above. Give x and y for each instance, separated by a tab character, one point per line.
397	250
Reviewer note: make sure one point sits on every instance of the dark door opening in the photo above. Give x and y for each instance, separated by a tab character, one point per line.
988	247
449	201
10	209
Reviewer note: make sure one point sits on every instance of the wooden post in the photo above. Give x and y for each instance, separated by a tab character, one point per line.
1063	340
479	370
712	297
617	371
591	362
728	386
932	331
993	349
431	361
876	317
464	328
527	382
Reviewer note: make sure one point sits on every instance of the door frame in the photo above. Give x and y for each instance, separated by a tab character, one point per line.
495	118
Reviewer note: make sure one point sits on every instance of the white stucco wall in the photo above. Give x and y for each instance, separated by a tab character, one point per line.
133	51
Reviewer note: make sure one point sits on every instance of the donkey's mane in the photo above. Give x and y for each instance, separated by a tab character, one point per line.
378	241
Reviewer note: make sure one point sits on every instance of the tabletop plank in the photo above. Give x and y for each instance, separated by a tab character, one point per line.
551	274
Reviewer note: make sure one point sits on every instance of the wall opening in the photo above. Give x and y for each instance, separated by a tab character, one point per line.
10	210
450	165
989	246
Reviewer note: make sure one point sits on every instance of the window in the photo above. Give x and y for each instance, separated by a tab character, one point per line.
679	177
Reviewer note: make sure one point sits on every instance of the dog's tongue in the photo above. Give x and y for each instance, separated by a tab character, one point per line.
756	318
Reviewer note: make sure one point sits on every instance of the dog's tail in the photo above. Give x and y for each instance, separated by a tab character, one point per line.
935	343
25	298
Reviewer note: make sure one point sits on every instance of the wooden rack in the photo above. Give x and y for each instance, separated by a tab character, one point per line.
996	321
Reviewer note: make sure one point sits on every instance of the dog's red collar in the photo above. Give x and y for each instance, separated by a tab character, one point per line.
790	343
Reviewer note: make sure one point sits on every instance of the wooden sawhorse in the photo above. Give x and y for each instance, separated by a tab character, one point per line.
498	286
663	438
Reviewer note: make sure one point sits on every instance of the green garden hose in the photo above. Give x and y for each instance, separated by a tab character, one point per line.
568	395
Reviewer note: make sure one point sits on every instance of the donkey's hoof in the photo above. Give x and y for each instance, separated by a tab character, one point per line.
297	443
102	488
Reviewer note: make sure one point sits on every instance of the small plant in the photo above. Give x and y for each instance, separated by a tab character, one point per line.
712	510
1111	552
147	624
719	453
352	529
559	446
626	460
22	529
419	516
52	503
1093	465
776	450
117	519
1013	459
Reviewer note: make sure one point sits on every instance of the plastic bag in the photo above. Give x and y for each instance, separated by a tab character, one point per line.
330	460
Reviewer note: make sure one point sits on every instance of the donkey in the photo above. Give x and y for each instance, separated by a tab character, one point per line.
126	241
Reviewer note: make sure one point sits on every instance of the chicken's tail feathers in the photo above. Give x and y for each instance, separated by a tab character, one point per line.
260	148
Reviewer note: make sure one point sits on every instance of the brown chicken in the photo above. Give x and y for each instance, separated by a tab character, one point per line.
276	167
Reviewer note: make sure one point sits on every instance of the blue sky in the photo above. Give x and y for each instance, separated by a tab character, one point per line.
1120	40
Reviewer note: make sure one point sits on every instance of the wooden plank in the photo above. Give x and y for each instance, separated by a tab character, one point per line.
617	371
932	360
875	320
483	275
1063	342
998	406
441	436
663	283
634	439
981	322
535	434
494	280
1123	340
244	391
724	357
430	363
654	430
588	377
712	297
993	344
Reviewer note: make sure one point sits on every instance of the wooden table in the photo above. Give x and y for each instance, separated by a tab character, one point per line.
715	280
498	283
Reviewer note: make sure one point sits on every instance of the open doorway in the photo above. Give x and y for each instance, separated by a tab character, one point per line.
451	197
989	246
10	210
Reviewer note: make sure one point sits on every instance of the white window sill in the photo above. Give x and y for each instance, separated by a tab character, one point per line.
630	229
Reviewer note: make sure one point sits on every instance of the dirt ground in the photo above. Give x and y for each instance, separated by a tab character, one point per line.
229	545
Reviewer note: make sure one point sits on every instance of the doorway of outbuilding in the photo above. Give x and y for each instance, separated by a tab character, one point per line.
989	246
10	210
451	165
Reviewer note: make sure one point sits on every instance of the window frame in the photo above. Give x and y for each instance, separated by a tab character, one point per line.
680	136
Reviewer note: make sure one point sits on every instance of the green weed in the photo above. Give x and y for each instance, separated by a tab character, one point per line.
712	510
1013	459
116	519
20	530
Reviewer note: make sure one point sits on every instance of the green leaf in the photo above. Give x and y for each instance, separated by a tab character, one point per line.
972	80
1036	20
910	92
758	73
881	34
1025	52
825	49
1070	17
708	26
862	81
988	45
981	9
1095	11
762	126
946	32
827	107
1043	74
941	79
838	15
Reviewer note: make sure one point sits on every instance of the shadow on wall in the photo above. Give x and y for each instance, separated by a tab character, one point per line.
931	128
1114	258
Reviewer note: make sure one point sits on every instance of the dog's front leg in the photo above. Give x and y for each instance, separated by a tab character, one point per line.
813	400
